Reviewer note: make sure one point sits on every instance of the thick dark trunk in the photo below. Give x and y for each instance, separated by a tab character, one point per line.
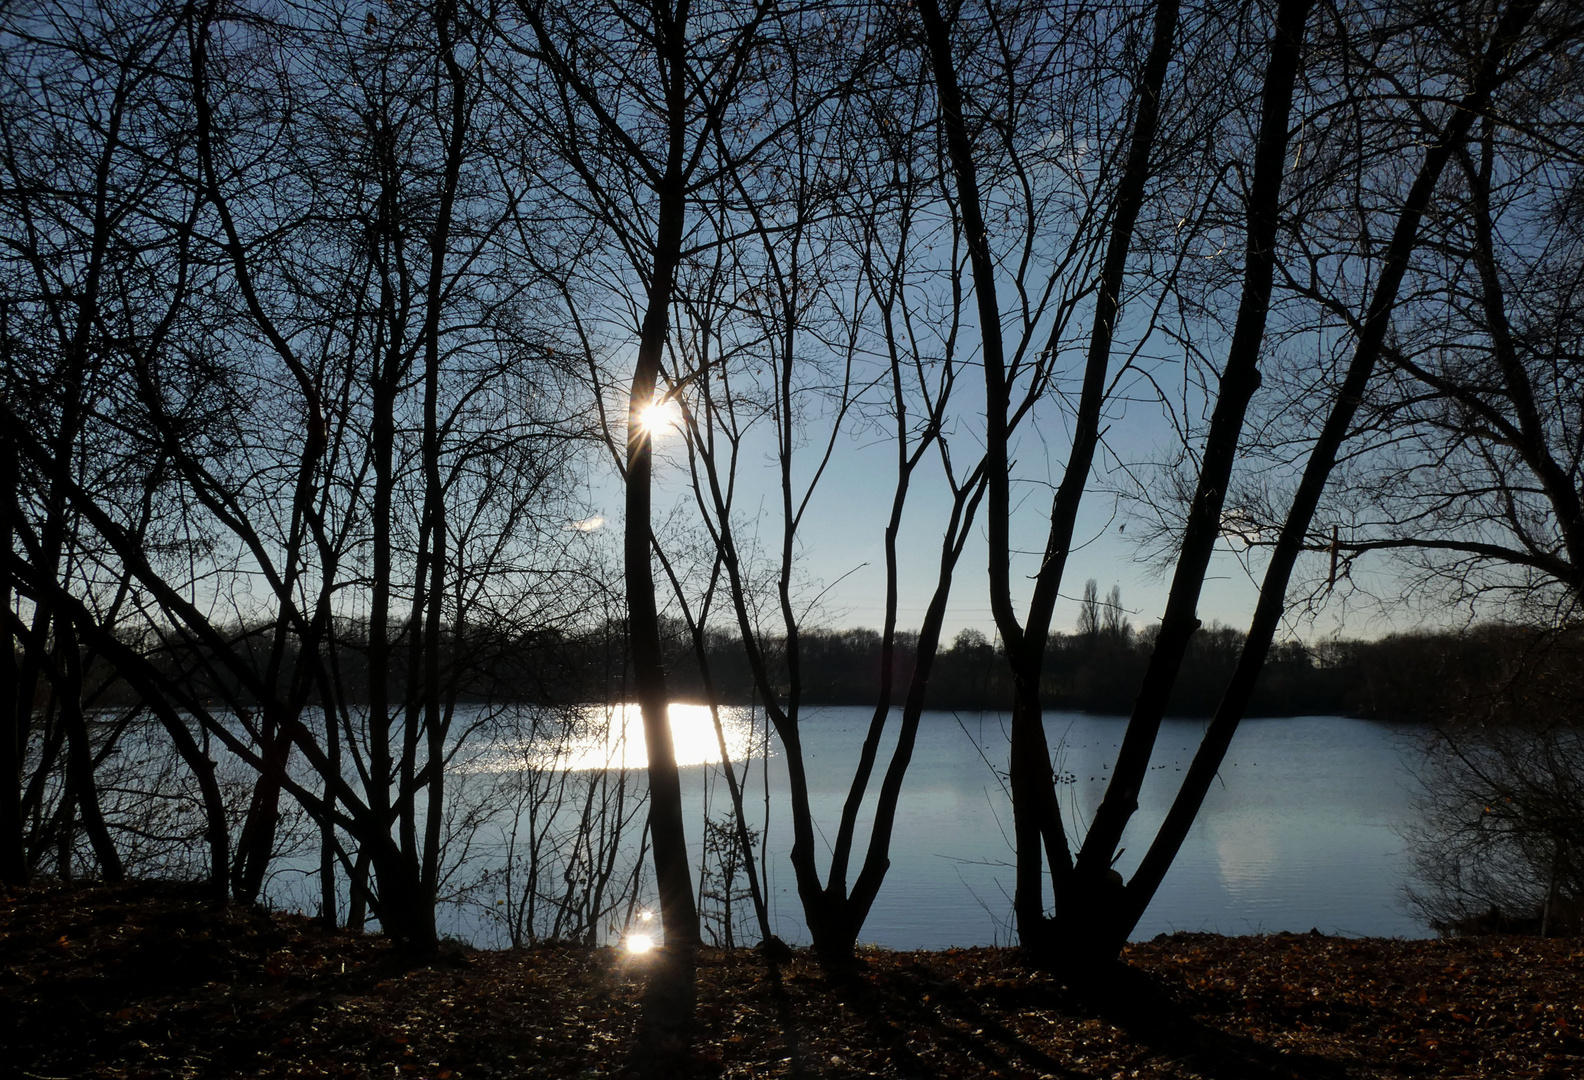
380	767
358	892
1322	459
329	849
329	906
1239	380
13	852
80	755
405	912
255	845
1028	776
669	994
833	934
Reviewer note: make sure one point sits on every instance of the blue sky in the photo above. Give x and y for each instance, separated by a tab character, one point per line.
841	557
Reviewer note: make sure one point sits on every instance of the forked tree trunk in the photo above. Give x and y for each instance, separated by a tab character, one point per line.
1038	830
1095	910
255	845
1089	904
1322	459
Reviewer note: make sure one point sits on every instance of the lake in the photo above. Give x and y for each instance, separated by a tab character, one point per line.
1301	831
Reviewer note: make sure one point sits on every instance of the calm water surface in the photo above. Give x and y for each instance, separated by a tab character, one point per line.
1301	831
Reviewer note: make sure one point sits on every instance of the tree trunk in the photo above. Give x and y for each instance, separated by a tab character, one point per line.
1089	909
255	845
1322	459
13	852
671	991
217	831
406	914
669	994
358	892
1038	828
80	755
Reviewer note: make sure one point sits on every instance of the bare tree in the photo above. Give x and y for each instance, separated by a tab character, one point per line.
1471	485
1495	843
343	409
1089	616
1490	62
90	204
835	321
1037	822
1464	475
623	110
1095	908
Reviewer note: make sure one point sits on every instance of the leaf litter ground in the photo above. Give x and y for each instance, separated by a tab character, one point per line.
146	980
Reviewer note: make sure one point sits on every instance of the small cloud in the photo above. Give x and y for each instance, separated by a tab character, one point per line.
588	524
1242	526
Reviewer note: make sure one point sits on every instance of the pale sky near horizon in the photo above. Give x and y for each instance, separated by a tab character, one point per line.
841	557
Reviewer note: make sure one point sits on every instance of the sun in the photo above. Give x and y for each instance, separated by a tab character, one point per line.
659	416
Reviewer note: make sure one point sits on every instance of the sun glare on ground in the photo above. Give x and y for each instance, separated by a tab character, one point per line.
640	941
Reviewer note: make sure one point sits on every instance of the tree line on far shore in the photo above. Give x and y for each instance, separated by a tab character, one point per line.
1095	669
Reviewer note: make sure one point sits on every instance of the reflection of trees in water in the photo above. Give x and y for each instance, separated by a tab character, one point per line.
532	849
551	853
1499	843
150	802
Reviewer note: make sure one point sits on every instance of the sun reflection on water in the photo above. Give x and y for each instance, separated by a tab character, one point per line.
612	737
